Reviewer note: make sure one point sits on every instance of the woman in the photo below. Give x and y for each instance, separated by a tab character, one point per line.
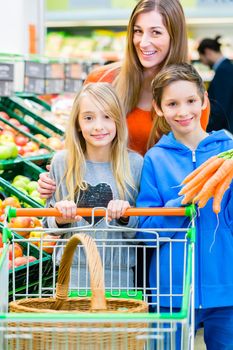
156	37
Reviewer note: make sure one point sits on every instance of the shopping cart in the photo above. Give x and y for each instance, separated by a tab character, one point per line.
159	330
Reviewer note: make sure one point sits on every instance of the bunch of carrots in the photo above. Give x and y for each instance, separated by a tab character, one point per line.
210	179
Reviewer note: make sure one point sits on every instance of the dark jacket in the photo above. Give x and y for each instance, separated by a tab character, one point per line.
221	97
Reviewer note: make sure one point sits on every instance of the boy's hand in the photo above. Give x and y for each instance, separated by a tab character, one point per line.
46	185
116	209
68	210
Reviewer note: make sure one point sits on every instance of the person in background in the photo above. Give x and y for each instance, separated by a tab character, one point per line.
97	170
156	37
220	91
179	98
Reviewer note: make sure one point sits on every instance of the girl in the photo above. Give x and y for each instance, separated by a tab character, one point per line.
179	98
156	37
96	170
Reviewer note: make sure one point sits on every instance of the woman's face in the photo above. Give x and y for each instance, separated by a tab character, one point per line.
151	39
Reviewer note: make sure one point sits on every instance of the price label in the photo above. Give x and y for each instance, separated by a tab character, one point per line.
34	85
54	71
54	86
74	70
6	88
6	71
34	69
73	85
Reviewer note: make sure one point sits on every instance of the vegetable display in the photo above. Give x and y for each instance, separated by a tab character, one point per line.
210	179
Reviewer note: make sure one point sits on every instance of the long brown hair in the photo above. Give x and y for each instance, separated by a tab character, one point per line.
165	77
129	80
104	96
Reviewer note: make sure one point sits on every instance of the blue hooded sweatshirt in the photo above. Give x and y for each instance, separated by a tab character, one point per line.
165	167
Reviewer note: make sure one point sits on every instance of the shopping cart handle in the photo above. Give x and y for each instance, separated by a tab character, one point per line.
159	211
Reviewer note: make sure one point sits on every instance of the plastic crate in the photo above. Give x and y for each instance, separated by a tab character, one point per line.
21	168
38	159
27	277
16	105
33	128
35	99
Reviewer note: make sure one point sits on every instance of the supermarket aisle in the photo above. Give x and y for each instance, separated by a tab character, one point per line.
199	342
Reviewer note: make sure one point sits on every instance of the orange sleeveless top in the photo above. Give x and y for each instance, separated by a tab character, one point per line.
139	121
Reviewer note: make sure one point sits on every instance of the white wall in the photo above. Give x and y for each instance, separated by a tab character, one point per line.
15	17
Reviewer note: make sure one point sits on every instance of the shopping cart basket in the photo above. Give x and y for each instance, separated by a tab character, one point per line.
160	328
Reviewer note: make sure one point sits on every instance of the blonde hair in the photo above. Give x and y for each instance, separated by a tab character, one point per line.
129	81
106	100
165	77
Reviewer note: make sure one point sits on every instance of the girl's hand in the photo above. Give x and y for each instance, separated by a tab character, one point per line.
68	210
116	209
46	185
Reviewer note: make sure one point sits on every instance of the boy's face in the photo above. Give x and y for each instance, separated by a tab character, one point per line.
182	107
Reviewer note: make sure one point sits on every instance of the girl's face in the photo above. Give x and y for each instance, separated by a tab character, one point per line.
181	106
151	39
97	128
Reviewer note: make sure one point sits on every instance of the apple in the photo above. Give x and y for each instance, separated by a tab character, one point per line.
35	194
14	121
24	128
47	246
10	265
18	251
1	244
55	143
43	151
23	178
21	189
31	258
4	138
22	260
21	222
42	201
32	186
11	201
20	150
33	146
19	184
36	222
4	115
5	152
9	128
9	133
21	140
41	138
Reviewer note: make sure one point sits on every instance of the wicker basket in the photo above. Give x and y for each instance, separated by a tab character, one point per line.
112	336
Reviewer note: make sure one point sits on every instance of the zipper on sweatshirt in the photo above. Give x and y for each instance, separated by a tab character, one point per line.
199	244
194	157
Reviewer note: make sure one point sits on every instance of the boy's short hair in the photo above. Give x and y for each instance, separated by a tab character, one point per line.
173	73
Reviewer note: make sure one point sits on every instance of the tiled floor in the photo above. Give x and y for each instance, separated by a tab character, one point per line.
199	342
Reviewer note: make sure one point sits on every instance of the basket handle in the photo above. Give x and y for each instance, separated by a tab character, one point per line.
98	301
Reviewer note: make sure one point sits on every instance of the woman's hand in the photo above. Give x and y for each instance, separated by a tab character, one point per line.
68	210
46	185
116	209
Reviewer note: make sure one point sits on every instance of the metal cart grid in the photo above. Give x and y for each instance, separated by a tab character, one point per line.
160	328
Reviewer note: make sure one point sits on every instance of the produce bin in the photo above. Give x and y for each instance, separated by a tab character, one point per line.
25	278
16	104
24	168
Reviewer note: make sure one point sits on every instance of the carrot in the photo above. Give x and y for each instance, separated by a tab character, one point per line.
221	188
204	199
198	170
193	192
207	171
219	175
